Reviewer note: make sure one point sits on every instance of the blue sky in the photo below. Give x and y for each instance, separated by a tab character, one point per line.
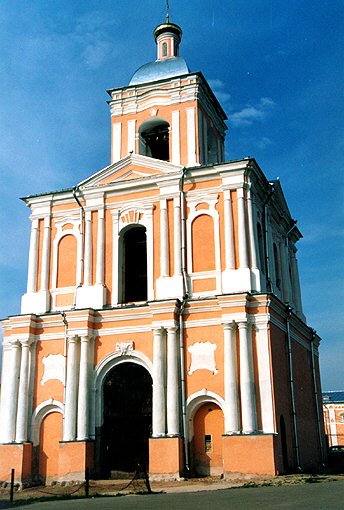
277	69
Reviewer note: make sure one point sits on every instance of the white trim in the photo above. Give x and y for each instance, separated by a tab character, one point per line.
131	135
99	374
194	402
175	137
41	411
116	136
191	136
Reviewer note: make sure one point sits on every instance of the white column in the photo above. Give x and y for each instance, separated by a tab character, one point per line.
247	389
115	260
88	249
164	252
175	138
150	252
191	136
116	142
159	406
229	239
23	393
100	248
172	383
131	136
205	142
231	379
265	383
296	283
83	395
71	390
285	272
177	238
45	254
243	255
33	256
9	395
252	231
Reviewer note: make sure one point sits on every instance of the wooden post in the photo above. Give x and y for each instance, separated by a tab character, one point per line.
12	485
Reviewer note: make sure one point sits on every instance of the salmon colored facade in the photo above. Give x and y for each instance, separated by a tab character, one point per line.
162	322
333	409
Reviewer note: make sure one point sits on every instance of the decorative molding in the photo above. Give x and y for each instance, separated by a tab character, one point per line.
53	368
202	357
125	348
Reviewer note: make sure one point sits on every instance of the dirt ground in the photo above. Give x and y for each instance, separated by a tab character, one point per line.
117	487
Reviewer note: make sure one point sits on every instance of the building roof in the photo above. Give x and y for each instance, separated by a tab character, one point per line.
160	69
333	396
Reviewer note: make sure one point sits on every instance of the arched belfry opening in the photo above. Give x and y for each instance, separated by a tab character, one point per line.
134	264
154	139
127	425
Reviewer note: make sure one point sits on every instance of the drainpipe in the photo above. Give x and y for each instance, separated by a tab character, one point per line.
316	395
82	214
292	391
64	320
266	239
181	322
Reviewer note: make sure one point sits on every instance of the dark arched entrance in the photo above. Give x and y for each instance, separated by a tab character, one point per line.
127	394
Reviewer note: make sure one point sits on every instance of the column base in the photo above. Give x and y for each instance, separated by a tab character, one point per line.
74	457
91	296
165	458
252	454
236	280
35	302
17	457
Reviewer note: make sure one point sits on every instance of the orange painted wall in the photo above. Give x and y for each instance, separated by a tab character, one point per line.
208	420
66	268
203	244
50	435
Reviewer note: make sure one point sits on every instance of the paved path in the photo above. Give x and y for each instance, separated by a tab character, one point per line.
310	496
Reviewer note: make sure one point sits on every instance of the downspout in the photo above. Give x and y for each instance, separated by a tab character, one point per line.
82	213
266	239
292	391
181	322
316	395
64	320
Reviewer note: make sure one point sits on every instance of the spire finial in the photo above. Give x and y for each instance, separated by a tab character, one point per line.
167	12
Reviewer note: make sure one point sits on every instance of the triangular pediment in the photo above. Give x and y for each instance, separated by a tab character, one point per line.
129	168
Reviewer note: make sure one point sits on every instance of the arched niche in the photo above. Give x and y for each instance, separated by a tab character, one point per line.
154	139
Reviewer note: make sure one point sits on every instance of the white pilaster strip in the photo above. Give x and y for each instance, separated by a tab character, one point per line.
88	249
164	251
205	142
150	252
23	393
115	262
46	254
265	385
69	432
229	239
131	136
296	283
175	137
232	423
83	396
252	231
116	142
9	395
248	399
285	272
100	248
242	237
159	413
33	257
177	237
172	383
191	136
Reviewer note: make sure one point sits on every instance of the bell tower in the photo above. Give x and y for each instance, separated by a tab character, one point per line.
166	112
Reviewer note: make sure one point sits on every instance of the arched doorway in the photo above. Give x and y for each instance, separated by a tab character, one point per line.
127	397
134	264
48	450
208	426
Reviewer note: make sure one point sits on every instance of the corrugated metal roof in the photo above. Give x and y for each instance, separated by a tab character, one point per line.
333	396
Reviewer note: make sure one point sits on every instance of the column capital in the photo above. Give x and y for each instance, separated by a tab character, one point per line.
171	329
157	330
15	344
73	339
26	342
230	325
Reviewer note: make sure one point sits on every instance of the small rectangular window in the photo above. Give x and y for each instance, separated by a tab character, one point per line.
207	443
